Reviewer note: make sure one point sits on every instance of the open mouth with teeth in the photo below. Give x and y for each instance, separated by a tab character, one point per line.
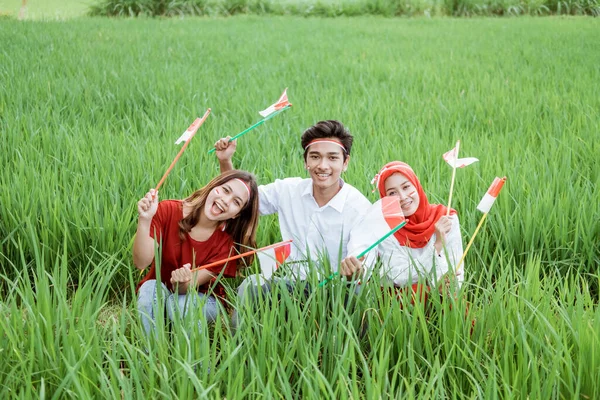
217	208
323	175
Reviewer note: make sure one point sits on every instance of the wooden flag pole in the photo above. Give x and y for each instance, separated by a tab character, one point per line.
212	264
470	243
181	151
453	176
253	126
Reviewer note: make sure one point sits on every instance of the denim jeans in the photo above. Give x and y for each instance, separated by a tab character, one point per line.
178	305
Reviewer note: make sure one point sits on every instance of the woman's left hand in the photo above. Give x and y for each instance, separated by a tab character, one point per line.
182	275
224	149
442	227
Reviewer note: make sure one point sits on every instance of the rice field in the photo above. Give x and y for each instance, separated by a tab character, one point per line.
89	111
45	9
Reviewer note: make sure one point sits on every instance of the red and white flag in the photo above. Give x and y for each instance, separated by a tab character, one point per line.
490	197
271	259
383	216
451	158
279	104
189	132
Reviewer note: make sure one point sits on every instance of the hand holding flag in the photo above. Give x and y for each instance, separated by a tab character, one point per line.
278	107
383	215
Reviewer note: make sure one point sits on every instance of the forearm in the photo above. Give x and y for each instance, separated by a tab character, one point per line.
143	245
225	165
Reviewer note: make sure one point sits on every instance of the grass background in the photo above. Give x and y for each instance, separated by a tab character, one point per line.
89	109
46	9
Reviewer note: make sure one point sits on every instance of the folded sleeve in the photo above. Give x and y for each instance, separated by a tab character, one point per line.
160	219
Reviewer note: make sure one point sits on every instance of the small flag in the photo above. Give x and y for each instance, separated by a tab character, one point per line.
490	197
385	214
450	158
271	259
189	131
279	104
383	219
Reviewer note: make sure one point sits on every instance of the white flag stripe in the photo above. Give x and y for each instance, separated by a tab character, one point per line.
189	132
267	111
268	262
450	158
278	105
184	138
461	162
490	196
270	259
485	205
374	225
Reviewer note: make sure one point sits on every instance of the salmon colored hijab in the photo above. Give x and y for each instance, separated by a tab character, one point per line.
421	225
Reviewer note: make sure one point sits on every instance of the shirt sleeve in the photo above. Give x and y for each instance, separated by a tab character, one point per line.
271	196
268	198
159	221
359	240
398	263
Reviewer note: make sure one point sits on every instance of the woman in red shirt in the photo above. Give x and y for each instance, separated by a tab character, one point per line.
213	223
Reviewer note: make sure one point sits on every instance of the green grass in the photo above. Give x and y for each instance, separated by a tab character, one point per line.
344	8
89	109
46	9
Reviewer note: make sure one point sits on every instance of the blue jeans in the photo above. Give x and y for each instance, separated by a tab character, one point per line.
178	305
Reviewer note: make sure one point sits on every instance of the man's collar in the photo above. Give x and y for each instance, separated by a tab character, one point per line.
337	202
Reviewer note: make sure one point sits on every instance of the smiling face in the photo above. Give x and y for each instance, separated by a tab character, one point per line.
226	201
325	162
398	185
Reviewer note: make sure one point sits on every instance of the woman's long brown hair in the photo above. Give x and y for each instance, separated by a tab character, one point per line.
242	228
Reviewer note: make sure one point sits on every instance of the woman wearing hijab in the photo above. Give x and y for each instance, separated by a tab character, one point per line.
426	249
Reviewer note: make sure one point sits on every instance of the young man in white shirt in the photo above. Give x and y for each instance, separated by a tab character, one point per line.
317	213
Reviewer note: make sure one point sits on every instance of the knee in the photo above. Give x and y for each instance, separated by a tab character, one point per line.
176	305
146	295
211	309
251	287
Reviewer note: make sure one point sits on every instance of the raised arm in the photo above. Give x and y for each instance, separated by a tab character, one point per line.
143	244
224	149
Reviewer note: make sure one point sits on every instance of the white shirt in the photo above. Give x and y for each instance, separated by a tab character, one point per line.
315	231
404	265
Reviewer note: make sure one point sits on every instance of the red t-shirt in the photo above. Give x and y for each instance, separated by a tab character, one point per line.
175	252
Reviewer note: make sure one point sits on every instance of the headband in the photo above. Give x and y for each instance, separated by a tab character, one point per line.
326	141
395	166
245	185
